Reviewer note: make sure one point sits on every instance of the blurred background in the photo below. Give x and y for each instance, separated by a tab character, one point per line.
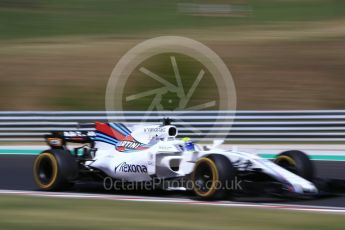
283	54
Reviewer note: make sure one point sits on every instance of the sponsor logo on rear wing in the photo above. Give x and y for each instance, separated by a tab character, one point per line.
79	134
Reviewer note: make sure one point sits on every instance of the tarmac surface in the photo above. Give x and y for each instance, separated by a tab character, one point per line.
16	174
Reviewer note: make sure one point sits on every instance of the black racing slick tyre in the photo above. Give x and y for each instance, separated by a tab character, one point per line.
213	177
296	162
55	170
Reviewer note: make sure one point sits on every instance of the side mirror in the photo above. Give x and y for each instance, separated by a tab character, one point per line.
216	143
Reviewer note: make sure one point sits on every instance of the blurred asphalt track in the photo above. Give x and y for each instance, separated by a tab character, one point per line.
16	174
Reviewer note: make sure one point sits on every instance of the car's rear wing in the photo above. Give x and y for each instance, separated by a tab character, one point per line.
59	139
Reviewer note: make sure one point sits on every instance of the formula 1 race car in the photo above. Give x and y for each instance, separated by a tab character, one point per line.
145	153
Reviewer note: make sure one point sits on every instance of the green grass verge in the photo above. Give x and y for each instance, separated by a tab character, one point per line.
38	18
20	212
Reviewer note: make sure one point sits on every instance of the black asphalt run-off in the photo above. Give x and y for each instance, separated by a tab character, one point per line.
16	174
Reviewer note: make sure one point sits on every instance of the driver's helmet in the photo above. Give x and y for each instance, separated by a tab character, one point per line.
188	144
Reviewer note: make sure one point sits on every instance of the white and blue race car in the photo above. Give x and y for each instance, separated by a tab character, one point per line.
150	153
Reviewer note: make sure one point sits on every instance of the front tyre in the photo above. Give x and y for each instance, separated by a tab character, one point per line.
55	170
296	162
212	177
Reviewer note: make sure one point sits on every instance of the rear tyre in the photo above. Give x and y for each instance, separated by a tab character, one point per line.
55	170
296	162
213	177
